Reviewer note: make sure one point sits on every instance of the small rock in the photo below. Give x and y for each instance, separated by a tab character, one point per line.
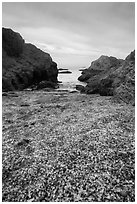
29	150
12	94
24	104
124	193
28	89
9	121
26	125
33	123
74	91
30	200
4	94
23	142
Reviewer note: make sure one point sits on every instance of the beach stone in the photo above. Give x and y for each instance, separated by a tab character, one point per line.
24	104
4	94
46	84
73	91
80	88
23	142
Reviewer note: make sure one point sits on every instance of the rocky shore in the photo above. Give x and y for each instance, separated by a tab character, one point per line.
63	145
23	64
109	76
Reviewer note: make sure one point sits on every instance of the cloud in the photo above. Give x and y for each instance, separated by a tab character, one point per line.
83	31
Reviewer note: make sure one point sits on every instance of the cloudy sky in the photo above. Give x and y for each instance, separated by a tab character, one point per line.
74	33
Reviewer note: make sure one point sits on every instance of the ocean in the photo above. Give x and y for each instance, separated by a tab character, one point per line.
69	81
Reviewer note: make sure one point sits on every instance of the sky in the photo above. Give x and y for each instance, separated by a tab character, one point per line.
74	34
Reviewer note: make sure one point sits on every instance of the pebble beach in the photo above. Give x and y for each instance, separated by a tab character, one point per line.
60	147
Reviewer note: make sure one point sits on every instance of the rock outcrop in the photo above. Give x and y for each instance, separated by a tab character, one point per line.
124	80
80	88
110	76
24	64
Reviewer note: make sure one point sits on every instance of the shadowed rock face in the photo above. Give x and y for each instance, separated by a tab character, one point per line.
24	64
99	67
96	74
12	42
124	80
110	76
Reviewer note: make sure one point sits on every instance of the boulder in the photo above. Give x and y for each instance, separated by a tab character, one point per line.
82	69
73	91
99	67
84	77
80	88
46	84
96	74
23	64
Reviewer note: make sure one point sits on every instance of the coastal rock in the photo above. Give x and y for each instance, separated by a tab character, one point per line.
99	68
96	74
80	88
124	80
82	69
109	76
12	42
65	72
46	84
62	69
23	64
85	76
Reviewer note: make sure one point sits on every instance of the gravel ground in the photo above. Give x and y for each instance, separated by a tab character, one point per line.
60	146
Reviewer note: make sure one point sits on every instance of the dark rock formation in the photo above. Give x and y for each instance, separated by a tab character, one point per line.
65	72
62	69
109	76
12	42
99	67
23	142
96	74
80	88
24	64
85	75
124	80
82	69
46	84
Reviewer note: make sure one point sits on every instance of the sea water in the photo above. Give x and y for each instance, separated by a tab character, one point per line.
69	81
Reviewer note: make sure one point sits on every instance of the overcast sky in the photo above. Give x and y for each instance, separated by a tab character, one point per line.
74	34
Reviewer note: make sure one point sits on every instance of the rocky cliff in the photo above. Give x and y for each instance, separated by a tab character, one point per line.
110	76
124	80
24	64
